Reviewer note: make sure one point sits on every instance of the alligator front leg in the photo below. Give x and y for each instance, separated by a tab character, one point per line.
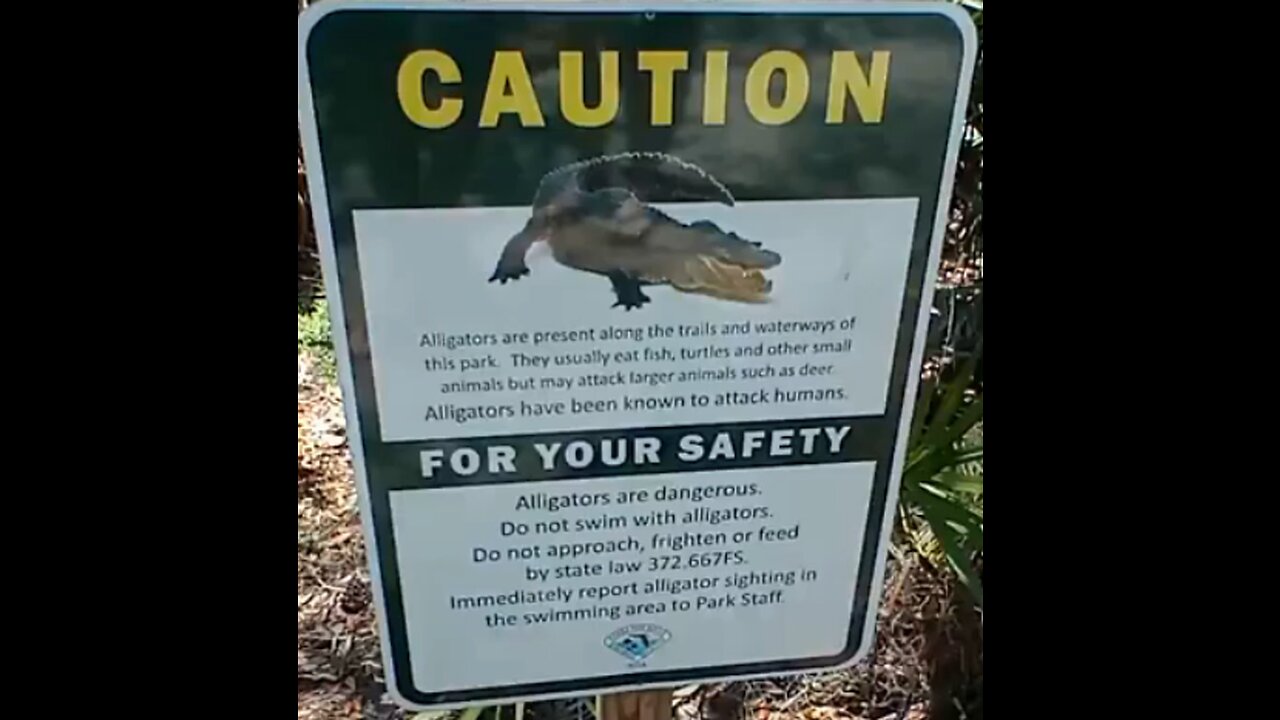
628	291
511	264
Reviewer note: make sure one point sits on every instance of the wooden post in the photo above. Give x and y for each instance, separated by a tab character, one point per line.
647	705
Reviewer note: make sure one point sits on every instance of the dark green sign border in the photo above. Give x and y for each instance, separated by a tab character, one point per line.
362	154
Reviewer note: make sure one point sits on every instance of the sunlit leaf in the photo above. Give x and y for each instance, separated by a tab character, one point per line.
951	401
927	388
961	565
959	482
942	484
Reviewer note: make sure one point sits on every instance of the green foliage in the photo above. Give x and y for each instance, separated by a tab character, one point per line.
315	339
942	481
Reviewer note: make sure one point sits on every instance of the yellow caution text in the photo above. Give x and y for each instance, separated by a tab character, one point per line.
774	88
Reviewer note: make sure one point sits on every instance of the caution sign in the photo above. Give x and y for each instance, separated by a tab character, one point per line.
629	301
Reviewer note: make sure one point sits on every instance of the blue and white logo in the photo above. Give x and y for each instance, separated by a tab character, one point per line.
637	642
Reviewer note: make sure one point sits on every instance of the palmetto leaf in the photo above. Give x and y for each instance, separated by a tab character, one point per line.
927	389
960	482
959	560
942	481
951	400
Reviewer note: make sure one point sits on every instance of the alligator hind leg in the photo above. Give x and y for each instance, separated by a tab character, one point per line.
628	290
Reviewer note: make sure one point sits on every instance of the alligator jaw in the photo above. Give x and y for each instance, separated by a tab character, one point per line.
718	279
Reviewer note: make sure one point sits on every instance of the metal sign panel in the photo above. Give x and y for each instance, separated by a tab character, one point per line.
629	302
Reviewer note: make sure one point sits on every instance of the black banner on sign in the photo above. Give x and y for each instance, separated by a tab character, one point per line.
634	451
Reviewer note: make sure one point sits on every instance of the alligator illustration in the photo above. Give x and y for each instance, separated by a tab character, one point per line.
594	215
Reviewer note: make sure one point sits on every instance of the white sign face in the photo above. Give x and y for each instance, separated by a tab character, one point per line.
660	572
632	417
734	530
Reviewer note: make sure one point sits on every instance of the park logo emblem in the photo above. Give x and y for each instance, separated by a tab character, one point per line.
637	642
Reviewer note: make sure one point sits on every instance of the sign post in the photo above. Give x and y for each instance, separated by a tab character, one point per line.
629	302
645	705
